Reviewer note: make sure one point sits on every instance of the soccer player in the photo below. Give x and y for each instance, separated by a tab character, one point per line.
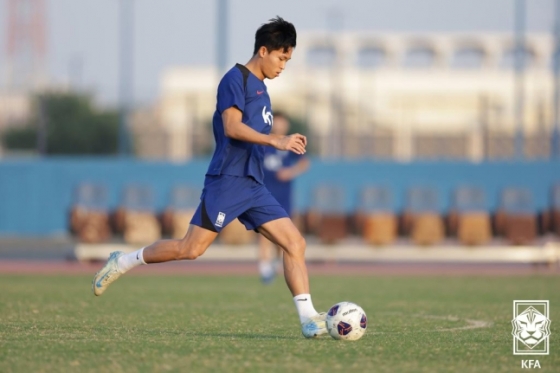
280	168
233	187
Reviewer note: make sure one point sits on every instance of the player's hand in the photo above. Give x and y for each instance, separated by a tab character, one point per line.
295	143
285	174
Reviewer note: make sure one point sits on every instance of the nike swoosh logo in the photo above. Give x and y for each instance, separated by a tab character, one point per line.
260	92
302	300
98	283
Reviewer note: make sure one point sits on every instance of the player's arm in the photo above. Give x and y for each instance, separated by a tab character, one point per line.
234	128
289	173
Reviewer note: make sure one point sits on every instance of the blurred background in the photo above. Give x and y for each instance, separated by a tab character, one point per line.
430	123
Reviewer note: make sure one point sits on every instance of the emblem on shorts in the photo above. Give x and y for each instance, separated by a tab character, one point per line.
220	220
531	327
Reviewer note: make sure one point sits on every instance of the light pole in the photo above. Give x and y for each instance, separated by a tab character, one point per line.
338	133
555	149
519	76
221	36
126	71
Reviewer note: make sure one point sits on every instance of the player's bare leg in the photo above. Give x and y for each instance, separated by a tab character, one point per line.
284	233
268	255
190	247
193	245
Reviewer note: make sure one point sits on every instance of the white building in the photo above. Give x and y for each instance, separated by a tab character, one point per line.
386	95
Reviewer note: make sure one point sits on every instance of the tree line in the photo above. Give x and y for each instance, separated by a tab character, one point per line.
65	123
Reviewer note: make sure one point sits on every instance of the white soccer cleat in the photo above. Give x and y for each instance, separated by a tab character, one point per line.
108	274
315	326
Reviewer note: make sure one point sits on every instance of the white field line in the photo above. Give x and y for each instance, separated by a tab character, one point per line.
471	324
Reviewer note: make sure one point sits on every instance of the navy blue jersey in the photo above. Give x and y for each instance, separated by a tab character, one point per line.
234	157
275	160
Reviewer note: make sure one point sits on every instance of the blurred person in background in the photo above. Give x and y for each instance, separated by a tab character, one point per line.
234	185
280	168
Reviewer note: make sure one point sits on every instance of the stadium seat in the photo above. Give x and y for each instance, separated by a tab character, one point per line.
426	223
519	217
380	228
328	210
332	227
139	221
474	228
473	221
427	229
89	216
176	218
375	217
521	229
141	228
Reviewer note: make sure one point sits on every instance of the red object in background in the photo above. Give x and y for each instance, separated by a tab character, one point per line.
26	46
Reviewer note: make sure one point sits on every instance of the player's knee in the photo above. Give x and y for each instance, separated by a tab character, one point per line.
188	254
301	245
190	251
297	246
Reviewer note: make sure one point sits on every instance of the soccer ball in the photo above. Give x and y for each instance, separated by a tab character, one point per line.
346	321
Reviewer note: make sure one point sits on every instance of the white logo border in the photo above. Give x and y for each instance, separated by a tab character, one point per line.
546	303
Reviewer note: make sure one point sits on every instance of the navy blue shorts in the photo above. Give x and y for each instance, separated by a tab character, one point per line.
283	195
225	198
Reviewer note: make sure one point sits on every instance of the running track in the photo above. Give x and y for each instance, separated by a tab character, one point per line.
49	267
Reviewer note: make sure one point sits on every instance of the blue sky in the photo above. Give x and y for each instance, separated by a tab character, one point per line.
182	32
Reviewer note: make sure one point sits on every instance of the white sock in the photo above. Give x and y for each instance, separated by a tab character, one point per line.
131	260
304	307
266	269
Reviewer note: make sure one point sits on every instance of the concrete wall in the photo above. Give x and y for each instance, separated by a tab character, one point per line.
35	195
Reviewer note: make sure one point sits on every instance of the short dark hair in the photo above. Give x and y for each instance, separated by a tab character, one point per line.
276	34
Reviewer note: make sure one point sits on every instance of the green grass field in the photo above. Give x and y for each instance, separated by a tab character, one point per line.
235	324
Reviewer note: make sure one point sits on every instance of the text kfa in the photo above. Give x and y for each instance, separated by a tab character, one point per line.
530	364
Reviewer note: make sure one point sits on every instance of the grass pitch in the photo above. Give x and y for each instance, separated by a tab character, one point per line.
235	324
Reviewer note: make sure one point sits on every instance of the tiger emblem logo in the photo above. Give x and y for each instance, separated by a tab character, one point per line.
531	327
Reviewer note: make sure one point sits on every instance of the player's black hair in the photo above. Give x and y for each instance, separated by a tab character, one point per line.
274	35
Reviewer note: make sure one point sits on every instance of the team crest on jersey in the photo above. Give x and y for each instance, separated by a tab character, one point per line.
220	219
267	116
